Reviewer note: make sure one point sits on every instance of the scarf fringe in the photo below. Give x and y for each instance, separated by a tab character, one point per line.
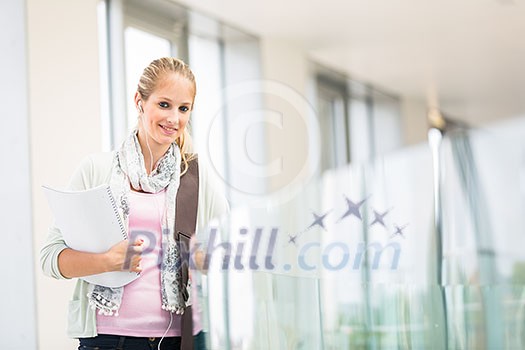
173	309
104	306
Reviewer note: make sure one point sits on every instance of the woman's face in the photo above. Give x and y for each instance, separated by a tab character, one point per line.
167	111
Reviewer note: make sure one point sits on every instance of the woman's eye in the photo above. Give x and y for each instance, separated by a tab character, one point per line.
184	108
164	104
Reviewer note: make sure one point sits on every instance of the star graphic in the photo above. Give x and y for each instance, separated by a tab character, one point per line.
318	220
399	231
379	217
292	239
353	208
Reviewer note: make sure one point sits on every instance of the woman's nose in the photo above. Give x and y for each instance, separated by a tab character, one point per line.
173	118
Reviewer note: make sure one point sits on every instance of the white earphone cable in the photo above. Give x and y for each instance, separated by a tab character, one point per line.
169	326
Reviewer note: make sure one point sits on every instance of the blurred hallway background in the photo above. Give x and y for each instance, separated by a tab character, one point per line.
381	142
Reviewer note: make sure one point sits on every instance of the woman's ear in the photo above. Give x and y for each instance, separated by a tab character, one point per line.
138	102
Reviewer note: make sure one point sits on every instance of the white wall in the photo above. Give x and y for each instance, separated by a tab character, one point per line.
17	315
65	126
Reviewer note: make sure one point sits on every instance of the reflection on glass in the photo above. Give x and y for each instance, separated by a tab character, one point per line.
337	283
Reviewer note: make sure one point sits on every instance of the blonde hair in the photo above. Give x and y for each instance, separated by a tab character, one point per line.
148	82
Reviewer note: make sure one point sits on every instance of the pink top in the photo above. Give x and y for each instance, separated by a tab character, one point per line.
141	314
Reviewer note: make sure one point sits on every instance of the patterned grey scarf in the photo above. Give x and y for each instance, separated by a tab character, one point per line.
128	169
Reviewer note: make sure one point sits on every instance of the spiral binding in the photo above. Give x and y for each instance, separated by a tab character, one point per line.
117	215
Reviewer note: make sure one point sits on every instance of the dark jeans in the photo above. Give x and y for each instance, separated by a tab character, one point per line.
117	342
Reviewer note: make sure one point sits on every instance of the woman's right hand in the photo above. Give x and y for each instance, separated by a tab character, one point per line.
125	256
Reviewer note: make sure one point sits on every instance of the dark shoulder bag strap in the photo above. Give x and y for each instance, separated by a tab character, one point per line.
185	224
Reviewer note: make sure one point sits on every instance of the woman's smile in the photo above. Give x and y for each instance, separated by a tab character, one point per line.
168	130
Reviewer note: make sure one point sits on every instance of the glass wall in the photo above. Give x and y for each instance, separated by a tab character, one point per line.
354	258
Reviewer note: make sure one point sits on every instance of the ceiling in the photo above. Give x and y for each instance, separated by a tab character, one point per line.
467	57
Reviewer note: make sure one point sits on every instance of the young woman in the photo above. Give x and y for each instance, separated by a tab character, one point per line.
145	175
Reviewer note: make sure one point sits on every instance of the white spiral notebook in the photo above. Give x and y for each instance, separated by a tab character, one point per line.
89	222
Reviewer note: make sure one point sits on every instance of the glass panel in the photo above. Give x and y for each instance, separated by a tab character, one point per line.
359	130
482	221
141	48
354	254
386	123
268	307
332	116
326	124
